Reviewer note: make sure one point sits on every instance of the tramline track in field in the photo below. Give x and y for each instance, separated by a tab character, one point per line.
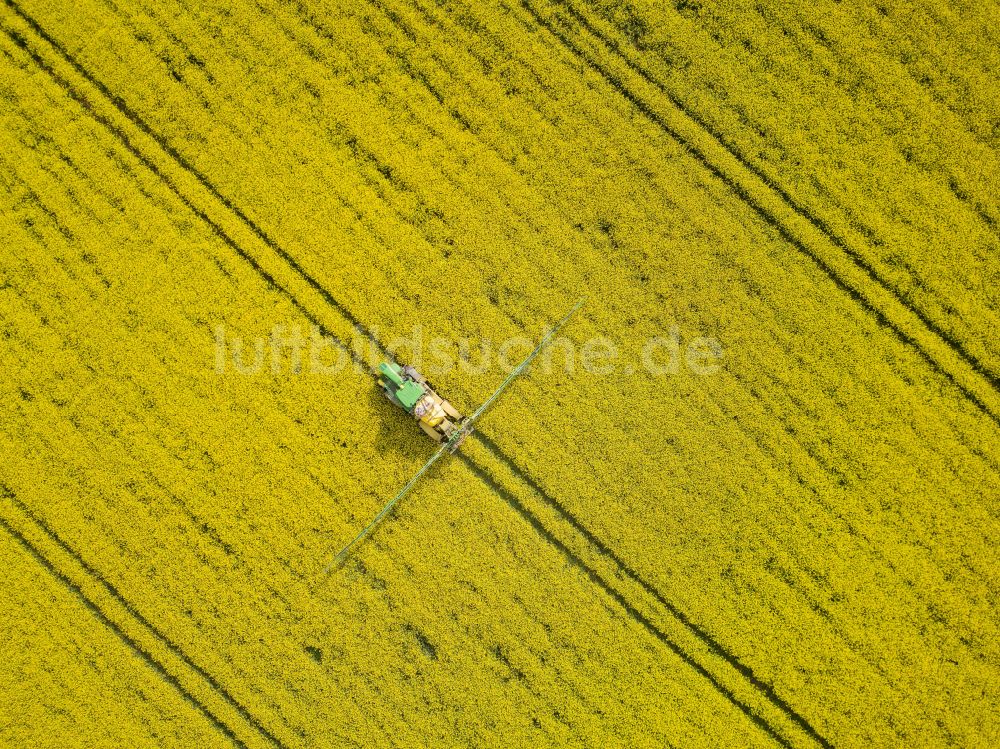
172	180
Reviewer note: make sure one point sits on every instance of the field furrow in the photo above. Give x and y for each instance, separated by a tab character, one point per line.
777	526
143	445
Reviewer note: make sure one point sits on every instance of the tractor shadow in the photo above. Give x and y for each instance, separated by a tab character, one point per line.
397	432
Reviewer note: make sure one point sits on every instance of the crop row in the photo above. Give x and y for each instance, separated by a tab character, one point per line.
211	503
781	451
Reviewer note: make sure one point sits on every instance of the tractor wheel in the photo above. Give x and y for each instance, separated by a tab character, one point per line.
431	431
450	410
414	374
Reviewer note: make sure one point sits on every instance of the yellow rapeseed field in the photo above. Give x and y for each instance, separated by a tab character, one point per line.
217	217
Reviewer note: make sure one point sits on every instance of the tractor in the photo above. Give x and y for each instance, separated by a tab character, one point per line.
409	390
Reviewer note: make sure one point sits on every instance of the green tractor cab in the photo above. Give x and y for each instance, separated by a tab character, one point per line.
404	391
